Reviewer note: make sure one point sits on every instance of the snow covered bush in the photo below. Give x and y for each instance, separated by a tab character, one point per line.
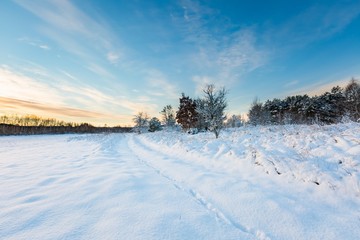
154	125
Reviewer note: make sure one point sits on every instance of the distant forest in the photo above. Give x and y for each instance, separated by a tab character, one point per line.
336	106
32	124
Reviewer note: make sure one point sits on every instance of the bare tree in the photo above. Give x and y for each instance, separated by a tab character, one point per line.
213	107
141	121
168	116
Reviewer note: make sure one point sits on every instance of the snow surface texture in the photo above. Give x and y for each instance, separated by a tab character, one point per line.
276	182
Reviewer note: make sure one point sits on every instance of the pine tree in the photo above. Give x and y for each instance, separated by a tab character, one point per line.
255	112
309	109
352	96
187	116
332	106
338	102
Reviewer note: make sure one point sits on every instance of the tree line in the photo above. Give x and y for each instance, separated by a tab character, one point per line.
207	112
32	124
340	104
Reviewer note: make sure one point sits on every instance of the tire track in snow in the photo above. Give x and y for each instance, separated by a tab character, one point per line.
199	198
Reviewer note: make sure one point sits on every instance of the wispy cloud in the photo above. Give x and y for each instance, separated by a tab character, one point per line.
160	86
10	105
48	109
319	87
34	43
63	20
61	97
100	71
194	20
315	23
201	82
14	85
291	84
113	57
223	52
240	54
69	75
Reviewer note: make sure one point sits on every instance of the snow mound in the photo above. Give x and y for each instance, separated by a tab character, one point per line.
327	156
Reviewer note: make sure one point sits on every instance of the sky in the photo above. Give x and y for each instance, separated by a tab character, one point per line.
102	62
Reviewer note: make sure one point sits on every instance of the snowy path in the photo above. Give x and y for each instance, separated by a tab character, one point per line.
165	186
177	169
93	187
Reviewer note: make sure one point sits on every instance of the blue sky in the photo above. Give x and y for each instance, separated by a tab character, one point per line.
104	61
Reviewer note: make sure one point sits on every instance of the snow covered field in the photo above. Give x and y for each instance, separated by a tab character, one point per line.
276	182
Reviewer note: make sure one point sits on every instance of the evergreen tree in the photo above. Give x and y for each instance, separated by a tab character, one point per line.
338	102
301	107
292	110
352	99
255	114
332	106
275	108
309	109
187	116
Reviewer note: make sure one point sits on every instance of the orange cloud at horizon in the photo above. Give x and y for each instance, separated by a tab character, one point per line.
23	107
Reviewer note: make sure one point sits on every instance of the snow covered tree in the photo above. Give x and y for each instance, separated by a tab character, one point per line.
291	109
352	96
259	114
276	108
234	121
187	116
255	112
327	108
338	102
168	116
154	125
141	121
213	107
309	108
201	124
331	105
